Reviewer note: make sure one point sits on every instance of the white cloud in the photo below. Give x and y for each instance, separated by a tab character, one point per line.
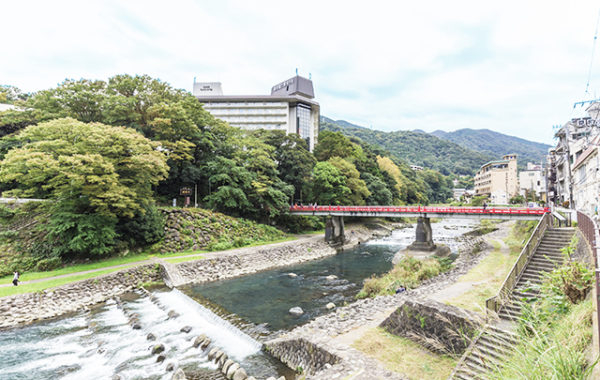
515	67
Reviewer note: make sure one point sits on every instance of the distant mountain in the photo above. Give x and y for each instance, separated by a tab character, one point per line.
496	144
416	148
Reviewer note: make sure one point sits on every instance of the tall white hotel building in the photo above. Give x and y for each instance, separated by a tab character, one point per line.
290	107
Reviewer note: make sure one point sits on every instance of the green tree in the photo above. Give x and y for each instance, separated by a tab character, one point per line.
329	185
380	194
294	161
358	189
335	144
94	174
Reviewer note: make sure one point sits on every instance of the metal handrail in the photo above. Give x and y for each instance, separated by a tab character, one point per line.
589	229
494	303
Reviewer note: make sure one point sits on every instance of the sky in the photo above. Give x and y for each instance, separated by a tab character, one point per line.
515	67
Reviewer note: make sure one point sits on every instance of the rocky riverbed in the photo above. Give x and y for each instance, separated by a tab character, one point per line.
323	331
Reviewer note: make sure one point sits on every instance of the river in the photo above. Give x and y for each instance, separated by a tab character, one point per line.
235	314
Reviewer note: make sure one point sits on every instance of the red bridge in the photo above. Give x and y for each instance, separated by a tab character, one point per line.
334	229
423	211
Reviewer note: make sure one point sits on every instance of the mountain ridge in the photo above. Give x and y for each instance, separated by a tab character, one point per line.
461	152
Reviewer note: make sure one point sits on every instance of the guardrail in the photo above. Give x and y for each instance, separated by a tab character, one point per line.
589	229
425	209
495	303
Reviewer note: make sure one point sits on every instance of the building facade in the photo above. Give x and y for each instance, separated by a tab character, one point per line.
533	181
574	138
289	107
498	180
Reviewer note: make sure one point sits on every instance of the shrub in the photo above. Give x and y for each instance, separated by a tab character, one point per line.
48	264
81	234
145	228
6	213
409	272
571	281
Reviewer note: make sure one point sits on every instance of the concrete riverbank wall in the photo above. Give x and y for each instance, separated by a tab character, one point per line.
31	307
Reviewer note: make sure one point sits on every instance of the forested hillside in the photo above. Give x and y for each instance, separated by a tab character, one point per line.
416	148
497	144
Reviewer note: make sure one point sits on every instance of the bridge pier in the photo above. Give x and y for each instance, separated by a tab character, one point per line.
334	230
424	240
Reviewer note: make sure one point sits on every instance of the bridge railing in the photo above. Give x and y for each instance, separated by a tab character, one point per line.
495	303
589	229
424	209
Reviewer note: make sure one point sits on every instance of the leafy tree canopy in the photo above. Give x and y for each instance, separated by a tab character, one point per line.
112	169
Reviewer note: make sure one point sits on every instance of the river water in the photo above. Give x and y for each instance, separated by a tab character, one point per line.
99	343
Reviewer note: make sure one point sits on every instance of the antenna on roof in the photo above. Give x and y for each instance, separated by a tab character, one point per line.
309	76
296	71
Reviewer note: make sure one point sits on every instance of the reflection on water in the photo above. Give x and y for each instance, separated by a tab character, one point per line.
266	297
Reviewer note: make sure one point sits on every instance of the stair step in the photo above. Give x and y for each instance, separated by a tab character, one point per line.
525	294
481	363
498	351
485	358
501	336
468	373
531	279
542	262
508	317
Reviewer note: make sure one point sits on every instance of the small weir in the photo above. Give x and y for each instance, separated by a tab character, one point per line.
115	340
101	343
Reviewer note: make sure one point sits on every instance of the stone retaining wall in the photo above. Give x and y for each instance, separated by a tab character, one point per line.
302	355
441	328
26	308
244	261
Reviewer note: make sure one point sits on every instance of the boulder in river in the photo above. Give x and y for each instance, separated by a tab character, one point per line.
158	348
186	329
179	375
170	367
212	353
292	275
331	277
231	370
296	310
161	358
330	306
150	336
200	339
240	374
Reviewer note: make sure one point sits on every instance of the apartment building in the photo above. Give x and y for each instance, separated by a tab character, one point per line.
289	107
574	139
533	181
498	180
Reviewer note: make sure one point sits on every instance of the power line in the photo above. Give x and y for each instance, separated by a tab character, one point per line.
587	86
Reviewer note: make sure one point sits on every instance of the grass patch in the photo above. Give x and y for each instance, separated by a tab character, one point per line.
519	235
557	351
485	278
409	272
404	356
38	286
122	260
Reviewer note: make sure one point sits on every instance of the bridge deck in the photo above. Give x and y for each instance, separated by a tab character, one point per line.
422	211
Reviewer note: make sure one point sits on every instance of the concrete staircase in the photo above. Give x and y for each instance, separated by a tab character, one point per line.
494	344
546	257
486	353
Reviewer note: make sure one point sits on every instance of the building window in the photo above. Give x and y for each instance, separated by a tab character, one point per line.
304	126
